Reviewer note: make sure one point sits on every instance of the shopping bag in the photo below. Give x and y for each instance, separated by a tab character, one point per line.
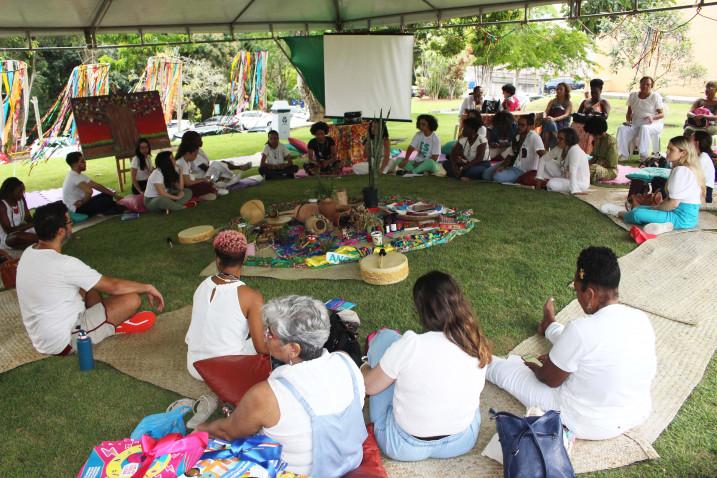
115	459
162	424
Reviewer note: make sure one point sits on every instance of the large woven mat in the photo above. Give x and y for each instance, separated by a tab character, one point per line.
338	272
158	356
672	277
15	346
683	353
597	196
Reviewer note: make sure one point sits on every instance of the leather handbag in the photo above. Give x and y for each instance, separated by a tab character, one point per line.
533	446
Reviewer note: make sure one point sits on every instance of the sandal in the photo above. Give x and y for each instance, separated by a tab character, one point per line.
203	409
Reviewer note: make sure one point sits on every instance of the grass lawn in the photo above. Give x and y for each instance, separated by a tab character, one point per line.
522	251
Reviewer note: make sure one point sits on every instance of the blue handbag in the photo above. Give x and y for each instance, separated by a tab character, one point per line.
533	446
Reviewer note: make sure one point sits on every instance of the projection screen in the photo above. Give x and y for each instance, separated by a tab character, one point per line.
368	73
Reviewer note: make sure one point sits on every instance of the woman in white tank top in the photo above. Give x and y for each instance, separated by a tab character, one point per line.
226	313
16	230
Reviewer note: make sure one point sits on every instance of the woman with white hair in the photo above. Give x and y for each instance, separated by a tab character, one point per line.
312	404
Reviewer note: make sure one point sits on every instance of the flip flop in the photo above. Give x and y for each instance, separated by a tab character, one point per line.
182	402
139	322
203	409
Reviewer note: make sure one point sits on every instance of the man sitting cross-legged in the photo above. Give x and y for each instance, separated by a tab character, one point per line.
599	371
77	190
57	293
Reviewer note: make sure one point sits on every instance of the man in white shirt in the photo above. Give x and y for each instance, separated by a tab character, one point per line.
59	294
276	161
472	102
77	190
644	121
600	369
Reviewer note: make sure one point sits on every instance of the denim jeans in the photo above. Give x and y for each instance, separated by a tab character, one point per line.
392	440
508	175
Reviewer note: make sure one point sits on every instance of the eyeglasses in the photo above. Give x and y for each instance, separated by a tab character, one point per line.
269	335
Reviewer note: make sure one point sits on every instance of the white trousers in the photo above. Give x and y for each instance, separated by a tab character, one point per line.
513	376
549	168
646	136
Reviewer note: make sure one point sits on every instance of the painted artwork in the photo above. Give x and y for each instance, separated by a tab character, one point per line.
110	125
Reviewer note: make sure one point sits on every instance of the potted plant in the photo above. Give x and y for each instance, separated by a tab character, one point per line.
374	145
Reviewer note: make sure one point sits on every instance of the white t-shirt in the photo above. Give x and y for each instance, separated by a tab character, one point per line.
611	359
682	185
438	385
471	150
467	105
644	107
426	146
528	155
578	169
71	191
708	168
275	155
185	168
201	160
142	174
48	290
155	178
325	383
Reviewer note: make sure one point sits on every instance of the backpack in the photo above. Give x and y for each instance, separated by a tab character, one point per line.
343	337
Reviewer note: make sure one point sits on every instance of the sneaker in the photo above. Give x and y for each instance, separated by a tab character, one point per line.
190	204
245	166
203	409
222	191
611	209
658	228
208	197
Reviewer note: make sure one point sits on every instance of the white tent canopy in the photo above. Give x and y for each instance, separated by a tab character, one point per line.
50	17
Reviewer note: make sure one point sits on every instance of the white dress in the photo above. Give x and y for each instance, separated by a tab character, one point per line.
568	175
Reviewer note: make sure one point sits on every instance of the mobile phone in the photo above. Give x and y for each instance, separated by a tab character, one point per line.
530	358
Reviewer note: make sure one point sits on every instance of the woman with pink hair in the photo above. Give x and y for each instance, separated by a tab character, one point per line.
226	313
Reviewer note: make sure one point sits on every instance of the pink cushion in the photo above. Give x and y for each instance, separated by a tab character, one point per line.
231	376
300	145
134	203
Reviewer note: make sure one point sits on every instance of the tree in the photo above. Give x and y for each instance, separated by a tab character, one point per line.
655	44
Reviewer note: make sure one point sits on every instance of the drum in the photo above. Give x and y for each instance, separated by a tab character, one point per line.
390	269
195	234
252	211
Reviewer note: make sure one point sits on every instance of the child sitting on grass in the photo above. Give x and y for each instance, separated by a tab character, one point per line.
428	146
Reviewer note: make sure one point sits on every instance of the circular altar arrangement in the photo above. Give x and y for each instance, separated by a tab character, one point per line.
387	269
195	234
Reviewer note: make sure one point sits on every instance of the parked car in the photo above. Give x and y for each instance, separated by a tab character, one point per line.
550	86
173	128
254	121
214	125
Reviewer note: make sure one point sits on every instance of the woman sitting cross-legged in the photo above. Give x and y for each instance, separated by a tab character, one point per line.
565	168
141	166
644	120
16	227
165	186
427	146
599	371
322	156
603	164
276	160
557	115
312	404
425	388
188	152
686	187
521	157
501	133
469	157
226	313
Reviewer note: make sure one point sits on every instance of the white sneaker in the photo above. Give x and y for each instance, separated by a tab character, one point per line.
222	191
208	197
611	209
658	228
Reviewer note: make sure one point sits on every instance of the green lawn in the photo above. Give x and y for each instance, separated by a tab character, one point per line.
522	251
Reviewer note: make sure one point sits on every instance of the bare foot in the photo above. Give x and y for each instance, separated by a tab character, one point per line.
548	315
245	166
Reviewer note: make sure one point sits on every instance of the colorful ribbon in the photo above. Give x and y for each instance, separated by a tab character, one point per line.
258	449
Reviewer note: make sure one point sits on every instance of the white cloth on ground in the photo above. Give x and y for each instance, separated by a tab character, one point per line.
325	383
218	326
438	385
48	291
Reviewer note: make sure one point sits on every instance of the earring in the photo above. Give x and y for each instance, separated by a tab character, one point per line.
291	362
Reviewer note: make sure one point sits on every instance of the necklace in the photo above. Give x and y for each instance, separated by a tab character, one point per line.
227	277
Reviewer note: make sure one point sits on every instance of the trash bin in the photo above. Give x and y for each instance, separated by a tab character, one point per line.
282	122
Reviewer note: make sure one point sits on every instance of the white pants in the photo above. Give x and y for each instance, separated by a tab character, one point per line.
513	376
645	135
219	169
548	169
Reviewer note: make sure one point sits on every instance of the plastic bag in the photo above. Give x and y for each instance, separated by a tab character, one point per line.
161	424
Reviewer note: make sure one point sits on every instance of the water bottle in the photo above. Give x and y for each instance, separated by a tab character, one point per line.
84	351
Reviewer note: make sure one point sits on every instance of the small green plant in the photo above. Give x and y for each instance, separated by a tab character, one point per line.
324	188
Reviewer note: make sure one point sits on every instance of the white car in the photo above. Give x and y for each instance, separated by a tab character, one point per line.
254	121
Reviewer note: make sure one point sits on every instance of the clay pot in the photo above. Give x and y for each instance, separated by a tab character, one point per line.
305	211
328	209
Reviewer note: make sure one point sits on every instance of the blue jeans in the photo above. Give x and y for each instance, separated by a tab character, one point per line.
684	216
508	175
392	440
476	172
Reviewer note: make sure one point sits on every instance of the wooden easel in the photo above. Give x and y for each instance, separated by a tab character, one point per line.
122	170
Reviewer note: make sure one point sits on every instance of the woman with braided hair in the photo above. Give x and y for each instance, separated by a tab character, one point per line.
226	313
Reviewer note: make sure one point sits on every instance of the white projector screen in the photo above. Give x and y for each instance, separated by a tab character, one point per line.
368	73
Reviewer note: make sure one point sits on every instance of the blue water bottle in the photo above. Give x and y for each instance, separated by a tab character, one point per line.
84	351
